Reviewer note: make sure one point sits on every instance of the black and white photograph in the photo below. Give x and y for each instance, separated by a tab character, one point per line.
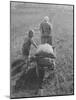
41	49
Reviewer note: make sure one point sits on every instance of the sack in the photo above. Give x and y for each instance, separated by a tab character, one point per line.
45	62
45	50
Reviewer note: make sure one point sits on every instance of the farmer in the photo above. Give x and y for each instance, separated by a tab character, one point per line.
46	29
27	45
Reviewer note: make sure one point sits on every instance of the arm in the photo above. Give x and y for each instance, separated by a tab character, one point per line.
50	28
41	28
34	43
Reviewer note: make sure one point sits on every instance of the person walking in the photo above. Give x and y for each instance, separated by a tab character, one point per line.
46	31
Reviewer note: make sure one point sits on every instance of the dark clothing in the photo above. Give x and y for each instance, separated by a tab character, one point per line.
46	39
26	47
45	29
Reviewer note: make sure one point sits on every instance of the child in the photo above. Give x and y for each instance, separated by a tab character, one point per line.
27	45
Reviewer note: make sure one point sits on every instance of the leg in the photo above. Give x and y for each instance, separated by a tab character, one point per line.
49	40
25	67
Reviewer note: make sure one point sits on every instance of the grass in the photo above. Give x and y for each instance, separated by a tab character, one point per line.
25	16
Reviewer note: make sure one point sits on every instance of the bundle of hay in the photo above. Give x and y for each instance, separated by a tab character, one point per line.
45	55
45	50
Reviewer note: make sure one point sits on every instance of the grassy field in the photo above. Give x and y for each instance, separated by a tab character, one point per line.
27	15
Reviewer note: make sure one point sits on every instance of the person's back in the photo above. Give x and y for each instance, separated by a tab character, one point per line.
46	30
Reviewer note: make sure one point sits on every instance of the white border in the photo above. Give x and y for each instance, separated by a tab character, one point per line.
4	47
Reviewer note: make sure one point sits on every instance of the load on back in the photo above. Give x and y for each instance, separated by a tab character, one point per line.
45	55
45	50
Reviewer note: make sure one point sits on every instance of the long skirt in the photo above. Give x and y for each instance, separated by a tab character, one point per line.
46	39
